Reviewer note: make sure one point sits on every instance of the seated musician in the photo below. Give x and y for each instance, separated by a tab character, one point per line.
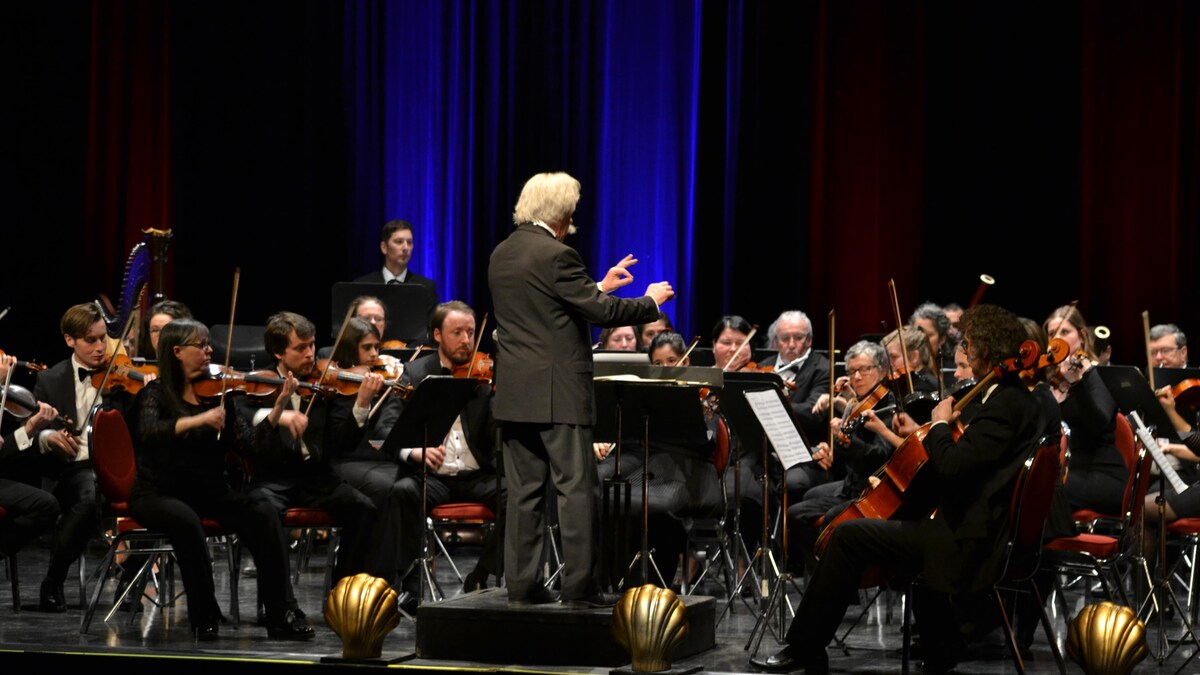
1168	346
932	321
683	482
791	336
62	453
618	339
294	468
160	314
647	331
396	245
1098	474
30	510
960	550
462	468
861	452
182	444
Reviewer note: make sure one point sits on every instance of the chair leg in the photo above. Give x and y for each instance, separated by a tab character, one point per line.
1013	649
10	566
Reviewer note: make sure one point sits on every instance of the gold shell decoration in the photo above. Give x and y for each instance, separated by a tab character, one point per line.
362	610
1106	639
649	622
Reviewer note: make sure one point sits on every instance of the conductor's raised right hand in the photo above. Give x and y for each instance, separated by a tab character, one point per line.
660	291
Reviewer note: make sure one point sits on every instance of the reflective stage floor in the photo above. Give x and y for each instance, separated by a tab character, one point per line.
872	646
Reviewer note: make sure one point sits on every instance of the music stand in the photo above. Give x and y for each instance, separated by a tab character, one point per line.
428	413
1132	393
408	306
671	396
670	412
744	424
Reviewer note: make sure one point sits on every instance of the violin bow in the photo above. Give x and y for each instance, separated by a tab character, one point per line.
695	341
1149	357
237	275
900	335
328	362
738	351
478	339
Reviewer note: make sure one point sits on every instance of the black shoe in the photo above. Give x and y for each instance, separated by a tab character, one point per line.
540	595
206	633
292	627
786	660
475	580
593	601
52	597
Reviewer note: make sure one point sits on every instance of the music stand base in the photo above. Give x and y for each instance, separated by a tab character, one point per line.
368	662
628	670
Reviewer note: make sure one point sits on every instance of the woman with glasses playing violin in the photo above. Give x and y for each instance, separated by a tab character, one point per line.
182	444
856	445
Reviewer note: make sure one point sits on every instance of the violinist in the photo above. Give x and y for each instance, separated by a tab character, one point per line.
959	551
932	321
861	452
1098	474
182	443
792	337
30	510
294	467
462	468
68	386
923	394
727	338
160	314
618	339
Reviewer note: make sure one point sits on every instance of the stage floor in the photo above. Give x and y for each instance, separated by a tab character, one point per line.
54	639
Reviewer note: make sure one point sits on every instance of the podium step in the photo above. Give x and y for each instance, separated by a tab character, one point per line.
482	627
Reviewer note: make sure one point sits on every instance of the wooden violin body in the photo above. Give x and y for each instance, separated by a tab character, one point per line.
1187	393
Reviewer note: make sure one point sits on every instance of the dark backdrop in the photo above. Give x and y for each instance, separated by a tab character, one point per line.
762	156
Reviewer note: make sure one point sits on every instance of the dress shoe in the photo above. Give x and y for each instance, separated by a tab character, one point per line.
52	597
787	660
540	595
206	633
593	601
293	626
476	580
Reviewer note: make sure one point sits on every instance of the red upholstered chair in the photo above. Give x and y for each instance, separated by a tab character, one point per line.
310	522
111	451
1186	531
1101	556
446	524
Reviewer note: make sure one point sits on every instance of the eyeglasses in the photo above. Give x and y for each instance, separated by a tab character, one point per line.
207	344
1163	351
860	371
794	337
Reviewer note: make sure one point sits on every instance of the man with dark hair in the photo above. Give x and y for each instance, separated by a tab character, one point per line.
462	468
396	245
294	467
545	303
62	453
960	550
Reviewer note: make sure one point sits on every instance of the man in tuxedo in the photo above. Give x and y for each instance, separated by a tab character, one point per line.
295	467
545	303
462	468
960	550
62	456
396	244
30	510
808	374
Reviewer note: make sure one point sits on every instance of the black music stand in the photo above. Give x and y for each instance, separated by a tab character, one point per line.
677	415
1132	393
408	306
744	424
429	412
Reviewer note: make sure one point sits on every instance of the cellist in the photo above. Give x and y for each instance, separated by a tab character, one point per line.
960	549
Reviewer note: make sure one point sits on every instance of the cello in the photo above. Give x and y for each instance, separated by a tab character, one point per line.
899	490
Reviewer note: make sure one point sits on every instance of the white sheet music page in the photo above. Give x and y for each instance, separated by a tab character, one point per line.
1164	464
780	429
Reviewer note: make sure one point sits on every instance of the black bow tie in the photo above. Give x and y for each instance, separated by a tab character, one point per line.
393	281
84	374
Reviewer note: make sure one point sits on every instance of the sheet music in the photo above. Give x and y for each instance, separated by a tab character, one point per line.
1164	464
778	425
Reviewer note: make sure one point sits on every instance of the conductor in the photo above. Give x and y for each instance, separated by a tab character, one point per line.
545	303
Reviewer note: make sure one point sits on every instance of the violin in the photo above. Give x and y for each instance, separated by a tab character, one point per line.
480	367
388	366
753	367
21	404
122	375
853	418
27	365
346	381
1187	393
259	384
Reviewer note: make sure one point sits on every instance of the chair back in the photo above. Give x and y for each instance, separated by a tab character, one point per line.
1030	507
721	453
113	460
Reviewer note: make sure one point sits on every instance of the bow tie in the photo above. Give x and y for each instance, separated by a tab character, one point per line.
84	373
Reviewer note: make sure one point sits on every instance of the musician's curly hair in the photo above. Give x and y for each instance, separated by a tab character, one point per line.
994	333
